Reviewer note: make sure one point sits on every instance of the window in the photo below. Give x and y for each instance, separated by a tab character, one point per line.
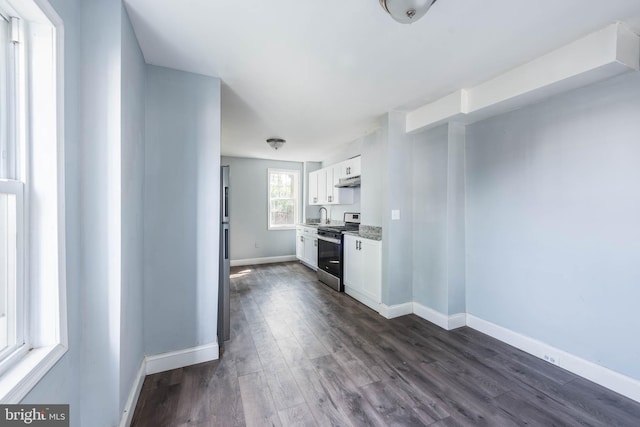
33	329
12	177
283	198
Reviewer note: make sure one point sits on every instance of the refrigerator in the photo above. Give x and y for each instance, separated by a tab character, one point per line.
224	304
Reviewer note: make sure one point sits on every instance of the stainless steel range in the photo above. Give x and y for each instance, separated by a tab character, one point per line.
330	253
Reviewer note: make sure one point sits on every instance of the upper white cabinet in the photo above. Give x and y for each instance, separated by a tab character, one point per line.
313	188
350	168
322	183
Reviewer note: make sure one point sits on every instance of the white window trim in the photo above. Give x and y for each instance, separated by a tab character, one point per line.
50	342
17	304
296	191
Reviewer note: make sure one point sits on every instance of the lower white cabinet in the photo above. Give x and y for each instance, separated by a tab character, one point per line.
363	270
307	245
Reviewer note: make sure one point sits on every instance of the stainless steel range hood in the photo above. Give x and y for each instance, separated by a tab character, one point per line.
349	182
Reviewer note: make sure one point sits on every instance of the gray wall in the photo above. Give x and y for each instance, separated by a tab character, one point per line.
104	143
248	209
397	193
553	222
430	219
133	139
105	160
101	204
371	188
182	124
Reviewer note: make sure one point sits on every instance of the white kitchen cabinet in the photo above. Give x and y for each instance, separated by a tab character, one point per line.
339	196
313	188
362	270
299	245
351	167
307	245
322	189
311	251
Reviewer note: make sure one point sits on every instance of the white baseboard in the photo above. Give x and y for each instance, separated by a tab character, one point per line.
181	358
264	260
132	400
457	321
362	298
397	310
612	380
445	322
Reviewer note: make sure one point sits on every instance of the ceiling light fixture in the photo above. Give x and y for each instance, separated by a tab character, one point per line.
276	143
406	11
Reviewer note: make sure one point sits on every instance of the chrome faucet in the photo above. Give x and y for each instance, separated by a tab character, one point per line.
326	215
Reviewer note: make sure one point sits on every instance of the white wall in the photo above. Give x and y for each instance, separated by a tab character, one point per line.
553	222
182	155
248	206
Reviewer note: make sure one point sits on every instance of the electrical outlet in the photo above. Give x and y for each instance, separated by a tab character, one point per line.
551	359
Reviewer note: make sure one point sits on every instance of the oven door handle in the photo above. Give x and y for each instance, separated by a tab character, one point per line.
329	239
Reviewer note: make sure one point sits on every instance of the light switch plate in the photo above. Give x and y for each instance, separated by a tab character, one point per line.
395	214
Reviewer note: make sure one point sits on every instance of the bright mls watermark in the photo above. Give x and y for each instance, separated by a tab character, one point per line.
34	415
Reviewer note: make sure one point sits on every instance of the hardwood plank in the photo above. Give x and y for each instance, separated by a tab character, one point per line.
393	408
345	393
284	389
357	371
297	416
259	409
323	407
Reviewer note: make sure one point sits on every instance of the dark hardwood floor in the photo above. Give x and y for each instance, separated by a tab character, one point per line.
302	354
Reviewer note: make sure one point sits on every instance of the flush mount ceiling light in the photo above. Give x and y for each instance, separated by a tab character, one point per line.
276	143
406	11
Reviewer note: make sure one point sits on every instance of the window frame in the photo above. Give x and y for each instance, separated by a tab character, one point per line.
39	165
296	198
13	352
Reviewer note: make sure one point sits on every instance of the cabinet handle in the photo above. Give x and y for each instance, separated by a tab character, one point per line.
302	238
330	198
315	243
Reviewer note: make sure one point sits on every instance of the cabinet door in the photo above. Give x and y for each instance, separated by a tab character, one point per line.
351	167
356	166
313	258
353	263
322	187
333	177
300	246
308	249
313	188
331	197
371	252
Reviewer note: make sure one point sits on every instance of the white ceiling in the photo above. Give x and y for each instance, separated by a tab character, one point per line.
323	73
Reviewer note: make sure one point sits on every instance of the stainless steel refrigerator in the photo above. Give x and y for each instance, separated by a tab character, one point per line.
224	304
